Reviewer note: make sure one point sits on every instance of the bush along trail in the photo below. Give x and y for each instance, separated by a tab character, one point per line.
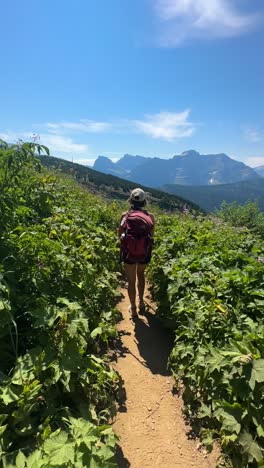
208	280
58	283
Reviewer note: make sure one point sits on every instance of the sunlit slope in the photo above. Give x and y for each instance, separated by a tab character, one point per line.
115	187
211	196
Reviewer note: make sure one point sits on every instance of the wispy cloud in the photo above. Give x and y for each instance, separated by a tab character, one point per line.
56	143
82	126
183	20
166	125
61	144
254	135
255	161
62	137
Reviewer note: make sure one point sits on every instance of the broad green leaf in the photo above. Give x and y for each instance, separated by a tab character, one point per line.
250	447
94	462
36	460
97	331
260	430
257	373
207	438
230	423
226	439
2	429
20	460
58	449
204	411
7	395
72	329
229	415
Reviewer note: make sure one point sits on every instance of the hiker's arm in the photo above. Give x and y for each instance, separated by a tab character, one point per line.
120	229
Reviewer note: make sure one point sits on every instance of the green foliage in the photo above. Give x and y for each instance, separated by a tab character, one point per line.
18	166
209	285
249	216
80	444
58	290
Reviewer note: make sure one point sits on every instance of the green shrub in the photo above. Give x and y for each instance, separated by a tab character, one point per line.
208	280
58	290
249	216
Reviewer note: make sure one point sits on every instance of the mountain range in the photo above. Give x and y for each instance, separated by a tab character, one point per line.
188	168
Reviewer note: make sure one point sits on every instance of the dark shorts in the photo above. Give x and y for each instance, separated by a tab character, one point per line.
127	262
135	262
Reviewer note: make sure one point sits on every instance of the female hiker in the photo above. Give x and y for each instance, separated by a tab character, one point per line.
135	232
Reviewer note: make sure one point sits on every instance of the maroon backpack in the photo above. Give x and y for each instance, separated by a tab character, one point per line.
136	242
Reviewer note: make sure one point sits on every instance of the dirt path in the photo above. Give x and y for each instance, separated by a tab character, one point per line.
149	422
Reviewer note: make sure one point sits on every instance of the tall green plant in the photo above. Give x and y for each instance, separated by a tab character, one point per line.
208	279
58	290
249	215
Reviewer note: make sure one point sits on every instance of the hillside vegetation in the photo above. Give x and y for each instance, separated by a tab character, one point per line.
114	187
249	215
211	197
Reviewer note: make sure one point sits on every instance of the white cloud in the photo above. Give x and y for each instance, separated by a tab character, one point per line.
61	144
60	137
182	20
57	144
255	161
253	135
166	125
83	126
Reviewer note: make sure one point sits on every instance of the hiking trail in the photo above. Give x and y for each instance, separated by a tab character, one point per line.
149	420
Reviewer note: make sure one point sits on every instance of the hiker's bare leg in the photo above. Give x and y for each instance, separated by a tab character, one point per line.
141	281
130	271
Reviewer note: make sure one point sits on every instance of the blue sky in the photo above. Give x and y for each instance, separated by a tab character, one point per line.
148	77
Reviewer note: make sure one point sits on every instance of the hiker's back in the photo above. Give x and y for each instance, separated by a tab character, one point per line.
136	240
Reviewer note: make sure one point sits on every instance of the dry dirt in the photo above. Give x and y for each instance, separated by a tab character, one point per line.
149	422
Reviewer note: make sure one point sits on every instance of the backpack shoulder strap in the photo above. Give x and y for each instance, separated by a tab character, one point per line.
143	215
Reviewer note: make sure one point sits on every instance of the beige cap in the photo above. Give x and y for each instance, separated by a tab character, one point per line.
138	195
